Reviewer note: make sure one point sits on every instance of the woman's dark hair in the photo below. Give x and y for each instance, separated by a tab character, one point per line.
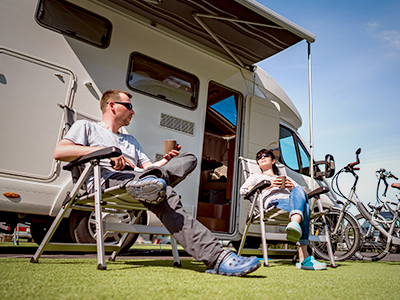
270	154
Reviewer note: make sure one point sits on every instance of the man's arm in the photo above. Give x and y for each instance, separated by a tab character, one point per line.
164	160
67	150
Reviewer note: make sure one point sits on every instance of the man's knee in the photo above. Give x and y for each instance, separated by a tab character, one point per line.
188	158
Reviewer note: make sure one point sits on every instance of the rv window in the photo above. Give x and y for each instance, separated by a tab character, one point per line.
293	153
164	82
288	149
74	21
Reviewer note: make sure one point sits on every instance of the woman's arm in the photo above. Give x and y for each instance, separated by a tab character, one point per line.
249	183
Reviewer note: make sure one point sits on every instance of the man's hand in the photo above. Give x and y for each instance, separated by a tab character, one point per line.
173	153
120	162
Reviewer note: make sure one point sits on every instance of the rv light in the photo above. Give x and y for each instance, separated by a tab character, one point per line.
11	195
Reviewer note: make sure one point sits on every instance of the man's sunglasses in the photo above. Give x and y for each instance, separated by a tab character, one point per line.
263	155
128	105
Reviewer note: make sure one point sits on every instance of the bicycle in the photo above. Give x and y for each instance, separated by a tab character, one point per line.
373	242
343	229
363	244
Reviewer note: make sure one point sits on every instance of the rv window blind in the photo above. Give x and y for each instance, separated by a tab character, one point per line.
74	21
162	81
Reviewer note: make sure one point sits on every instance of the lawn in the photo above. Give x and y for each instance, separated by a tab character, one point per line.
130	278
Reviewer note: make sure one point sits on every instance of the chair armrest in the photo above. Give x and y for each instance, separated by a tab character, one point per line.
96	155
318	191
259	186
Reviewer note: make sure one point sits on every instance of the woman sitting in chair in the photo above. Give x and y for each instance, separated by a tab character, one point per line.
293	199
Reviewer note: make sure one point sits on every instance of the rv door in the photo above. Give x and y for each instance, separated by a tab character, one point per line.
30	118
261	125
261	131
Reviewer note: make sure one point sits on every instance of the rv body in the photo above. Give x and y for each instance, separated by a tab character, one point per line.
41	67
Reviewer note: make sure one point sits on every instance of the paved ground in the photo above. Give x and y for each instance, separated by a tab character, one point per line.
27	252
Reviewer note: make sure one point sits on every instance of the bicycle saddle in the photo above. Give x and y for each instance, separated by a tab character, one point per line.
396	185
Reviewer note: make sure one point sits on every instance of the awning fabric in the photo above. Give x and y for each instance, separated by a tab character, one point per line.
242	30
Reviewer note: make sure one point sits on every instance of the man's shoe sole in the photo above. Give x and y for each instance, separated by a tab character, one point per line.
149	189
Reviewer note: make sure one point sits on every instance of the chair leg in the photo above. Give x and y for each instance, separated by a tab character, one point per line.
120	243
49	234
124	236
177	262
99	220
327	235
60	215
263	235
246	229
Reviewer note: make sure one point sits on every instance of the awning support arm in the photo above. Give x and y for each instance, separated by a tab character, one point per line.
216	38
238	21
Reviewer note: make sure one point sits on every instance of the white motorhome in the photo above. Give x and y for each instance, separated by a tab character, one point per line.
190	66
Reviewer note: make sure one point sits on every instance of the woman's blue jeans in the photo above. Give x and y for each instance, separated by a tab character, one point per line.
297	204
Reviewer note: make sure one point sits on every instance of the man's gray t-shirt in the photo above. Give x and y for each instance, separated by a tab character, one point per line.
93	134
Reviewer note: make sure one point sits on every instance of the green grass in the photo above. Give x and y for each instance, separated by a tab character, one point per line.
157	279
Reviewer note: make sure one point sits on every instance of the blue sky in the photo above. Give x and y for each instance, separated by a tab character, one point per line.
355	82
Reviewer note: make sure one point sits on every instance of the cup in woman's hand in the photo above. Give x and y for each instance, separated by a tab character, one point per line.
169	145
283	184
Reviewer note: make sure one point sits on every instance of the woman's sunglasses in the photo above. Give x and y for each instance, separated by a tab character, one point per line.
128	105
263	155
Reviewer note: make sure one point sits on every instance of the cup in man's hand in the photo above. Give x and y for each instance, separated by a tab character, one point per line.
283	184
169	145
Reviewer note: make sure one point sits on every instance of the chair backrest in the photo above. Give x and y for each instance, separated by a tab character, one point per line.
70	117
273	215
250	166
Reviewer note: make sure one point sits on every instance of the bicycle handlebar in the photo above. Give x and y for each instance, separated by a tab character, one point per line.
383	175
350	166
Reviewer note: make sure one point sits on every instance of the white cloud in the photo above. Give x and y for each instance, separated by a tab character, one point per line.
390	38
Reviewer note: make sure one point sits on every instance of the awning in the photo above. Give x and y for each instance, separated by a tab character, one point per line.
243	31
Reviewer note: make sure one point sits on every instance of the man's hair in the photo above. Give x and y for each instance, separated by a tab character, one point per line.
111	95
271	154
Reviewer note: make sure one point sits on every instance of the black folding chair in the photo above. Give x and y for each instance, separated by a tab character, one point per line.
114	200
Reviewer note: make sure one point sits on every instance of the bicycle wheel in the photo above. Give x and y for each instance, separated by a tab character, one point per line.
372	242
344	243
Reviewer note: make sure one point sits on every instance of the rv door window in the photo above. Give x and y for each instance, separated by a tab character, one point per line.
74	21
293	152
162	81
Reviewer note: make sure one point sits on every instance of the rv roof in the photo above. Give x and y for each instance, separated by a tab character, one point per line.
242	30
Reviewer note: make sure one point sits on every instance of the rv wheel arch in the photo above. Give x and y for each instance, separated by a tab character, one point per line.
82	228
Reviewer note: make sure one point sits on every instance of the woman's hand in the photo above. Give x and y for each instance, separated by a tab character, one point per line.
250	187
277	182
289	185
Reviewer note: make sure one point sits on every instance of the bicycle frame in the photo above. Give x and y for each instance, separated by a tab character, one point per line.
372	218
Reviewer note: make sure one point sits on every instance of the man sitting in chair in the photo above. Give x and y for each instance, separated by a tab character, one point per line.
289	197
151	183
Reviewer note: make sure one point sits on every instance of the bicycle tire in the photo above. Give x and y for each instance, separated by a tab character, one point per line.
344	244
372	247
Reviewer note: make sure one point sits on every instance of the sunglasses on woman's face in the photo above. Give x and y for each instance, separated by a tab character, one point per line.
263	155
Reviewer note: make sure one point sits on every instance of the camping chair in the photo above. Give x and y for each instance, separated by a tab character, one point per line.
114	200
276	216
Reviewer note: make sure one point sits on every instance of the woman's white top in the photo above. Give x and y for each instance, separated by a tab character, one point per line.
268	194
